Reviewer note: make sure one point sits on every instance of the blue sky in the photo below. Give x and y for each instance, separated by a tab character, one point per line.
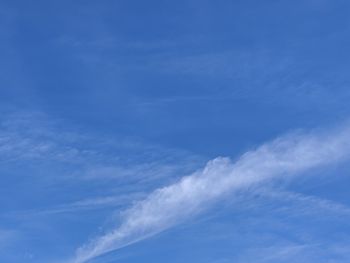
174	131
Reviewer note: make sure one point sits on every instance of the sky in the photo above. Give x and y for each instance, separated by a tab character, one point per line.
174	131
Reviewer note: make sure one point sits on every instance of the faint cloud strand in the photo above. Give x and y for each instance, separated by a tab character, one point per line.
28	136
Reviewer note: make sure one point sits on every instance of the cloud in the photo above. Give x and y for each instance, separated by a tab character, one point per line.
168	206
26	137
95	203
301	204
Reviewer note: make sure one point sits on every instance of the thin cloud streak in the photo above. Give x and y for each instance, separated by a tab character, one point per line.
168	206
308	204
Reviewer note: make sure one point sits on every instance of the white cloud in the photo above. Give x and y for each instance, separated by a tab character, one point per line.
32	136
300	204
170	205
82	205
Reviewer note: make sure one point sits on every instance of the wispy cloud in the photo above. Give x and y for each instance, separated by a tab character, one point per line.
307	204
173	204
28	136
95	203
83	170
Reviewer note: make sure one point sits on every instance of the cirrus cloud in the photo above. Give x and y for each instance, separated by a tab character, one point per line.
168	206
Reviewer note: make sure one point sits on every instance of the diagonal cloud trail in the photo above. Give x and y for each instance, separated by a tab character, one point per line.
173	204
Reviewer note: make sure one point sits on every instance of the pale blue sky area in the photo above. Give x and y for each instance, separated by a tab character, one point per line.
174	131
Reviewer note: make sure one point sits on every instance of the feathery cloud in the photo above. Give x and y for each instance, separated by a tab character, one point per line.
168	206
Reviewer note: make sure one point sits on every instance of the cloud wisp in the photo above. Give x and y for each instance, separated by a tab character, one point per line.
168	206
